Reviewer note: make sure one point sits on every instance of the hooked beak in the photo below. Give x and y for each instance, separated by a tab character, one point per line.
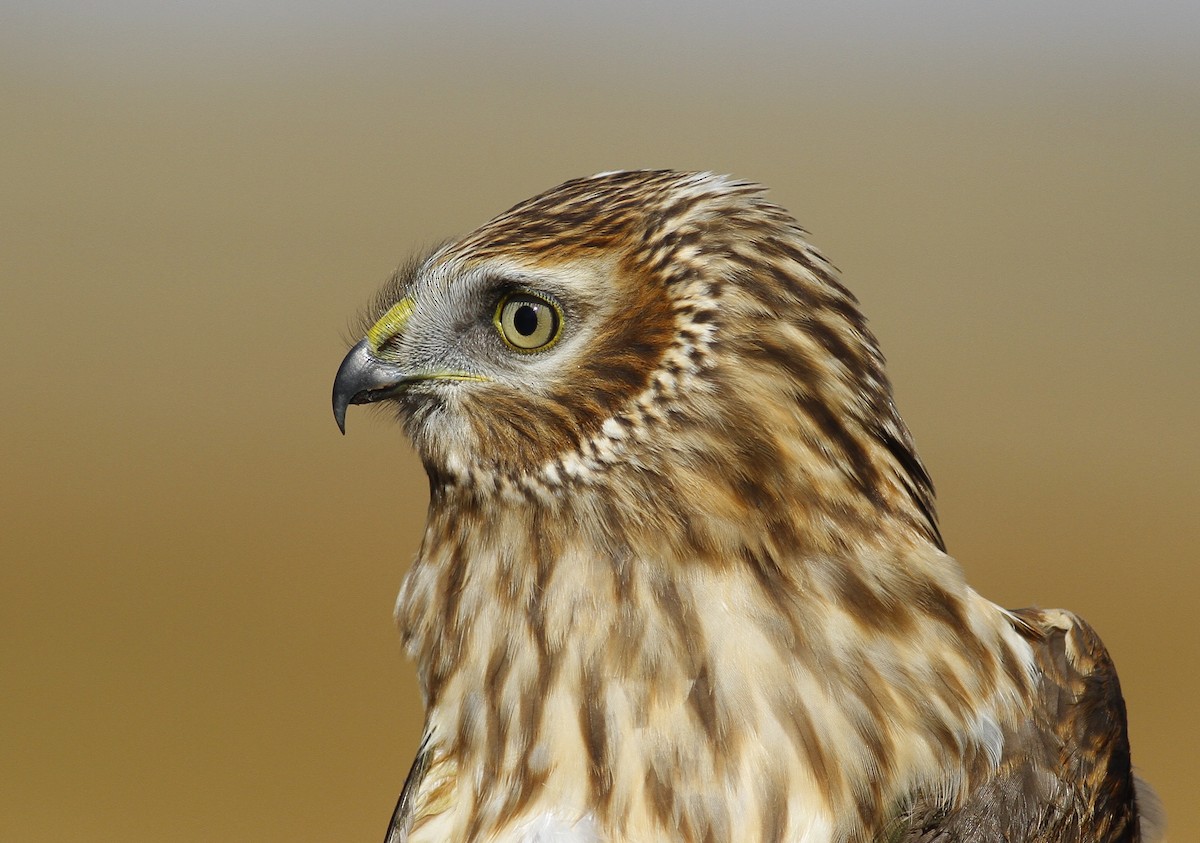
363	378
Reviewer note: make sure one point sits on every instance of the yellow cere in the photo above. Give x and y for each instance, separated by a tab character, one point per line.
391	323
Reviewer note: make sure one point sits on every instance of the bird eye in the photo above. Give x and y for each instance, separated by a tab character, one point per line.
527	322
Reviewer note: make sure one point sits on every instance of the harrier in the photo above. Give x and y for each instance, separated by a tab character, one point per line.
682	578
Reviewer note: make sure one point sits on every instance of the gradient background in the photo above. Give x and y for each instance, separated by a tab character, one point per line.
198	572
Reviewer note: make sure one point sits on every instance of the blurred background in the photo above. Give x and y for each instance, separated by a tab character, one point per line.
197	572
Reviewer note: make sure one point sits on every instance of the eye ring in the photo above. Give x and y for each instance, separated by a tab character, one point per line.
527	321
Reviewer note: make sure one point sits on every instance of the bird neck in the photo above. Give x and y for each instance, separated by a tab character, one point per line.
617	665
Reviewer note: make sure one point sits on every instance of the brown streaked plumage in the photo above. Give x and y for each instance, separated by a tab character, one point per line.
682	578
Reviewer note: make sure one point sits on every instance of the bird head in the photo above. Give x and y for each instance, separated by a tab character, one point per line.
675	328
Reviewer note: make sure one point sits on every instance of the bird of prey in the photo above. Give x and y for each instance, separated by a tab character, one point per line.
682	578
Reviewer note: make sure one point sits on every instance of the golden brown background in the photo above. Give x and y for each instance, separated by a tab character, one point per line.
198	571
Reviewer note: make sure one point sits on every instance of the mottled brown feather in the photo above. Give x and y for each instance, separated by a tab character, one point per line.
1066	775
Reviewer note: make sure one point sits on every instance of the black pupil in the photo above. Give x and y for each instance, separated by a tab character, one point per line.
525	320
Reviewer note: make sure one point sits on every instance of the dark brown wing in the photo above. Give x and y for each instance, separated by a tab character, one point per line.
1065	776
397	831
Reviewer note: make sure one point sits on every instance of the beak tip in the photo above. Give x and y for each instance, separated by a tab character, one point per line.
339	412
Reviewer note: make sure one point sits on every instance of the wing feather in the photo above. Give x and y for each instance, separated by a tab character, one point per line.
1065	776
